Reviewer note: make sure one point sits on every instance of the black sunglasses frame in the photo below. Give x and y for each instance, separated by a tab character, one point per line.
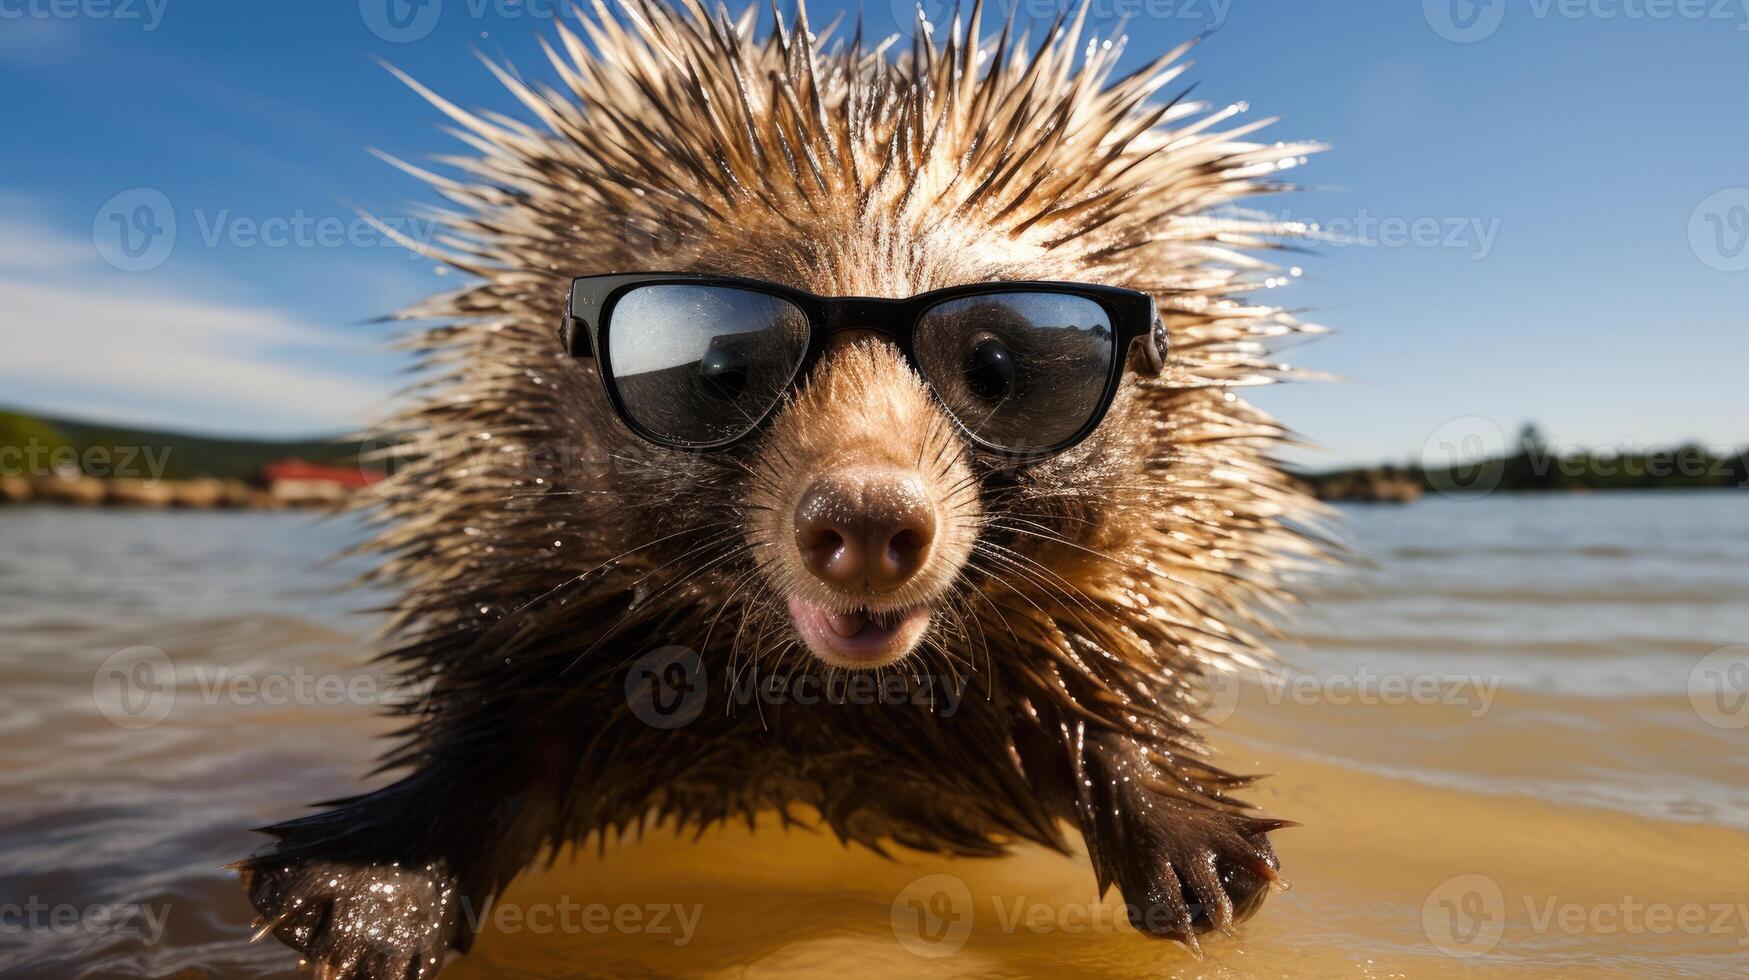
588	318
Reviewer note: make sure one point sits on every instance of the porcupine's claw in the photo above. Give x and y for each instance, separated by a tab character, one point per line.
359	921
1198	872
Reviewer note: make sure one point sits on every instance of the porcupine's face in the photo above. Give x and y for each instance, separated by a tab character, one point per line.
860	524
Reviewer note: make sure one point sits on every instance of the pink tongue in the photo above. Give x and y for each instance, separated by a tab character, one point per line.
847	624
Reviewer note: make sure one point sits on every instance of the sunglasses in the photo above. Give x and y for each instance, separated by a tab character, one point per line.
700	362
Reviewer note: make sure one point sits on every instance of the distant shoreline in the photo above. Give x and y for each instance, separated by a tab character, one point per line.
200	493
70	462
1533	468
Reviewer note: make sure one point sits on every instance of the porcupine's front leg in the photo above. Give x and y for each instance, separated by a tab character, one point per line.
1186	865
388	884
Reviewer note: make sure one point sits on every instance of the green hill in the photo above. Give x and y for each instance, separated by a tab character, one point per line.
1532	465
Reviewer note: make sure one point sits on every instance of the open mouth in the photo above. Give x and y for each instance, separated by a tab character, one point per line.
859	639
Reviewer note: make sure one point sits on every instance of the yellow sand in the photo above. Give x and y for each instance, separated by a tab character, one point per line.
1574	885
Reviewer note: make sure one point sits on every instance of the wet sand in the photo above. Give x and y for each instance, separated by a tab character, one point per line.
1370	866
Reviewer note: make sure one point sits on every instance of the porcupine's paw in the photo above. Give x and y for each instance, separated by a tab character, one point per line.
1197	872
359	921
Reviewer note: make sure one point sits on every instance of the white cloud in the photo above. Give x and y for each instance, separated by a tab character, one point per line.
39	253
79	338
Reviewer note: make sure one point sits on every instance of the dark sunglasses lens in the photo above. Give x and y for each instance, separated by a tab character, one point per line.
1023	371
701	365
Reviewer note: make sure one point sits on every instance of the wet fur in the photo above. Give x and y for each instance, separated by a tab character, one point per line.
540	548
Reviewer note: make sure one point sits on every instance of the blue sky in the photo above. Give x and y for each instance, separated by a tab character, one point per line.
1556	194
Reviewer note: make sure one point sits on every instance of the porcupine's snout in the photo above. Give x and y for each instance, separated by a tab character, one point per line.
866	528
868	510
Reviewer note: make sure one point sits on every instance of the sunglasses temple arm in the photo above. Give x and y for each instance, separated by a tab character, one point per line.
1155	342
1157	345
574	333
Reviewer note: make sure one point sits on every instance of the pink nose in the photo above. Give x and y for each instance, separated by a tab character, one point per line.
865	528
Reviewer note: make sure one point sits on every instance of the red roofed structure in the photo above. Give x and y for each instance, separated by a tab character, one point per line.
299	482
351	477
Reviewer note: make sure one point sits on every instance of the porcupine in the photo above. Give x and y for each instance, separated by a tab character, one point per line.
1082	600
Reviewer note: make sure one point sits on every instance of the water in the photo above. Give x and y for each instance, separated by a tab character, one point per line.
1502	717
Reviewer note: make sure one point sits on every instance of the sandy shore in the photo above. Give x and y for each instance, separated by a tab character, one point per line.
1377	870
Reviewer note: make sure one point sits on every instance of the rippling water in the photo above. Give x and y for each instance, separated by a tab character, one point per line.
1506	739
